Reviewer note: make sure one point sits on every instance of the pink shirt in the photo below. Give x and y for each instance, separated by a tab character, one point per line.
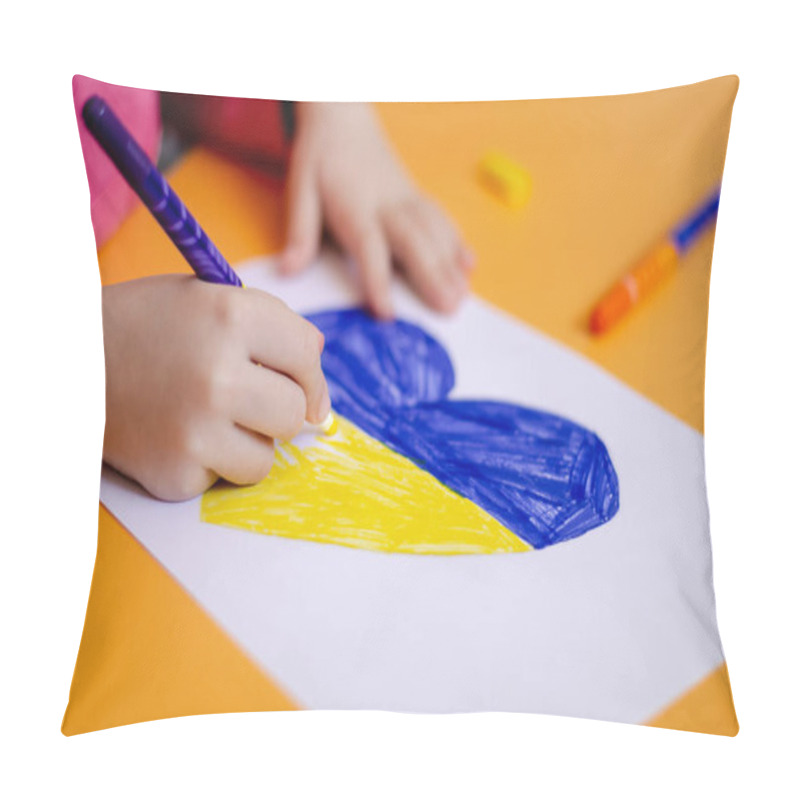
111	198
248	130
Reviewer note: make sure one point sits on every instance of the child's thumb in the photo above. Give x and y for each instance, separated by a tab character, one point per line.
304	214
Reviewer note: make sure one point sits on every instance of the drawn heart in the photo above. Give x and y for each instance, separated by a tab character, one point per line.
542	476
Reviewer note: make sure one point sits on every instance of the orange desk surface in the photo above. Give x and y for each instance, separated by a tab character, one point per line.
610	176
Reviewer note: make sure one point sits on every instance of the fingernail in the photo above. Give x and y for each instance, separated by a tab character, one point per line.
379	308
449	302
324	406
289	259
460	285
453	294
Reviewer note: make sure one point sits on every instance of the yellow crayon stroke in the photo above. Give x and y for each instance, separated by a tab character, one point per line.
349	489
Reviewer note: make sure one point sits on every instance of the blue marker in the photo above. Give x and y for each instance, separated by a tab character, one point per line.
163	203
157	195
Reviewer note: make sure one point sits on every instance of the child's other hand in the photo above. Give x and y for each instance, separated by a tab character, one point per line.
200	379
343	172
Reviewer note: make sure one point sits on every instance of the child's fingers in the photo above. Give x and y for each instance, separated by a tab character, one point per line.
269	403
285	342
365	242
427	262
373	256
441	229
466	258
412	249
304	217
241	456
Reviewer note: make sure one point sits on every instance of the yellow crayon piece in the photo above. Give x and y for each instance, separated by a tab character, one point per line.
330	424
505	179
327	427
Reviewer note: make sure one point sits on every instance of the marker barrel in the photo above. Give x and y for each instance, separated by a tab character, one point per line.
159	197
635	286
654	268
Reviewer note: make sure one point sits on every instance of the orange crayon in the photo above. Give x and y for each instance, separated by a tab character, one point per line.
652	270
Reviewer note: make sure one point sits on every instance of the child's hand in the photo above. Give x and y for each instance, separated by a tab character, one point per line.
186	399
343	171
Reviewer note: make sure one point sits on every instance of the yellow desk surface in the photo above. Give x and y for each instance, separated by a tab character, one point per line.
610	175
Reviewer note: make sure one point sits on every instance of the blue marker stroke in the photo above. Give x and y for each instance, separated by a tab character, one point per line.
542	476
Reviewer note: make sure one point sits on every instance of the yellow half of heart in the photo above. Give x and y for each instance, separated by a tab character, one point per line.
349	489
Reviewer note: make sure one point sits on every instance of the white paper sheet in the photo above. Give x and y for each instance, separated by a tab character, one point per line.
615	624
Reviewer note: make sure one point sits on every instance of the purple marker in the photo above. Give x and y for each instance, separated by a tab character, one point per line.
154	191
